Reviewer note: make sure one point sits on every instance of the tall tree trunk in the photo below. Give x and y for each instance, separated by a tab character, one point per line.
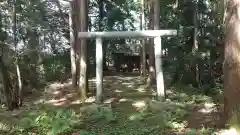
72	44
152	73
223	10
83	59
87	48
231	63
195	45
143	48
156	12
19	80
33	45
101	15
101	28
8	91
76	29
20	96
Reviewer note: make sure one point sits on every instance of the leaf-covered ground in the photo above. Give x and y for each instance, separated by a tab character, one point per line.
129	109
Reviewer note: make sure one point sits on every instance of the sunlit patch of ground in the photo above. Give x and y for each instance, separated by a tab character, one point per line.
231	131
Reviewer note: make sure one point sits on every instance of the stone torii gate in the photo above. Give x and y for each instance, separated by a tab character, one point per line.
156	34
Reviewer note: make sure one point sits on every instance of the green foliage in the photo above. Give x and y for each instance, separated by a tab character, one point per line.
192	132
96	119
235	119
52	35
217	93
97	112
155	118
87	133
57	66
51	38
189	95
203	131
169	116
50	121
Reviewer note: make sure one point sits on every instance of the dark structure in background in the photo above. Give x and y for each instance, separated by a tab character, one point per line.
127	63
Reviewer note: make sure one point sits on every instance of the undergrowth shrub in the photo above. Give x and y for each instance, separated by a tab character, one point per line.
96	119
203	131
95	112
167	115
234	121
50	122
217	93
170	116
57	66
53	121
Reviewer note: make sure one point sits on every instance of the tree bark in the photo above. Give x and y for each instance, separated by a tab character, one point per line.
143	48
195	45
9	92
76	28
101	15
101	28
33	55
19	80
83	59
231	65
154	16
72	44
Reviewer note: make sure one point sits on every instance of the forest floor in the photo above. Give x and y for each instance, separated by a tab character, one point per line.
131	109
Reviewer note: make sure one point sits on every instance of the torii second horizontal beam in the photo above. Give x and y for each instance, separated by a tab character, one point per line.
127	34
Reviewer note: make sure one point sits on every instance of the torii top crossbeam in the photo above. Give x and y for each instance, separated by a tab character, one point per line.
127	34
